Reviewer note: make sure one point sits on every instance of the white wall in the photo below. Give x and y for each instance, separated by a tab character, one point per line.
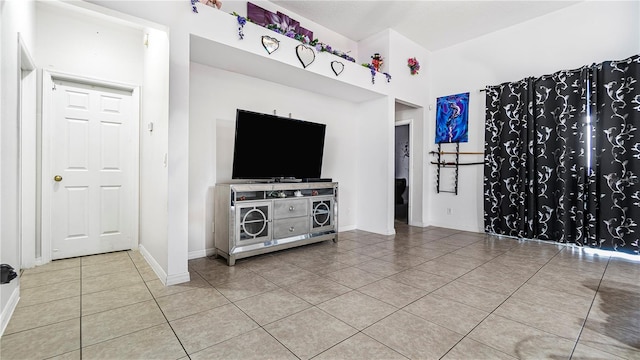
410	89
211	133
16	17
585	33
84	45
153	149
375	184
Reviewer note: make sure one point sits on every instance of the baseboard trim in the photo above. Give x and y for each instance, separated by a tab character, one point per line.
201	253
7	312
455	227
178	278
154	264
167	280
346	228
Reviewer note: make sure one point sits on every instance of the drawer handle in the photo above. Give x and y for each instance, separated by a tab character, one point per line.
291	208
291	229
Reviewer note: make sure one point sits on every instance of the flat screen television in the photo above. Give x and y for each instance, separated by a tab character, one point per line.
274	147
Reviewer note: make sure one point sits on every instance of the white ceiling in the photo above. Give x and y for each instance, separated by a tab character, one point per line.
434	24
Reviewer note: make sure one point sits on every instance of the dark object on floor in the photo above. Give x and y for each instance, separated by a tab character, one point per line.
7	274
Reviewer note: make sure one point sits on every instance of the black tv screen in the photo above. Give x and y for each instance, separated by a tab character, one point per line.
274	147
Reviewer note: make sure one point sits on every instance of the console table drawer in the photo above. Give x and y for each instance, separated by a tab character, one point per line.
290	227
290	208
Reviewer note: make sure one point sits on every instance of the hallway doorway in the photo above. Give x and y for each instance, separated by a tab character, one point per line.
402	164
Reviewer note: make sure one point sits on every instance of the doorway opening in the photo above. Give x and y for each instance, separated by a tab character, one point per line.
402	163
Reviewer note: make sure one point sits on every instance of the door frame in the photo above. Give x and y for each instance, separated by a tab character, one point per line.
48	78
411	172
27	158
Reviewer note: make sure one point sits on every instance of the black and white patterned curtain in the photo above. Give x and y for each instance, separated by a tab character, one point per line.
561	152
507	184
616	95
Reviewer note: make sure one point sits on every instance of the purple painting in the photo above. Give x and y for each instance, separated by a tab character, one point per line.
452	119
287	23
257	14
265	18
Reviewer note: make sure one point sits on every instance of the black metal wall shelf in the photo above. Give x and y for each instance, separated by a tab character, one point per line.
451	164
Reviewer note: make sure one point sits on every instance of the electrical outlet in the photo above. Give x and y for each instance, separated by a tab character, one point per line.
449	211
213	226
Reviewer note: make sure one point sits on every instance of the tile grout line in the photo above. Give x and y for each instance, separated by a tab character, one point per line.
356	289
80	309
384	277
403	307
541	266
584	322
492	311
400	308
159	308
297	312
358	331
247	315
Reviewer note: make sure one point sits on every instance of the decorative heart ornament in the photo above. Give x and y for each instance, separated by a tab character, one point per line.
270	44
306	55
337	67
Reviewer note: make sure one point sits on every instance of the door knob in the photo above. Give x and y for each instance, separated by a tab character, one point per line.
57	178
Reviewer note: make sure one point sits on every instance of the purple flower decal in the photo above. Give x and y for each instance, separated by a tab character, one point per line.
273	18
241	22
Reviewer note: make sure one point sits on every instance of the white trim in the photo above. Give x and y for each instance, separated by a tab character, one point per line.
167	280
153	263
135	168
201	253
178	278
8	310
411	180
346	228
26	60
45	201
458	226
88	80
27	157
48	78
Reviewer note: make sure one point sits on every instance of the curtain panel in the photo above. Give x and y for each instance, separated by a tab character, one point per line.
507	147
616	97
562	157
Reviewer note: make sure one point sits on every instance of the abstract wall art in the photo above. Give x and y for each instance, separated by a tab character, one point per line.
286	25
452	119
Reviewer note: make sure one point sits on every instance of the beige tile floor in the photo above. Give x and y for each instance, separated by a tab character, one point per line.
425	293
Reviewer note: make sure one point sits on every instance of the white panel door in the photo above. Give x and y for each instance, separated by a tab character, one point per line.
91	160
